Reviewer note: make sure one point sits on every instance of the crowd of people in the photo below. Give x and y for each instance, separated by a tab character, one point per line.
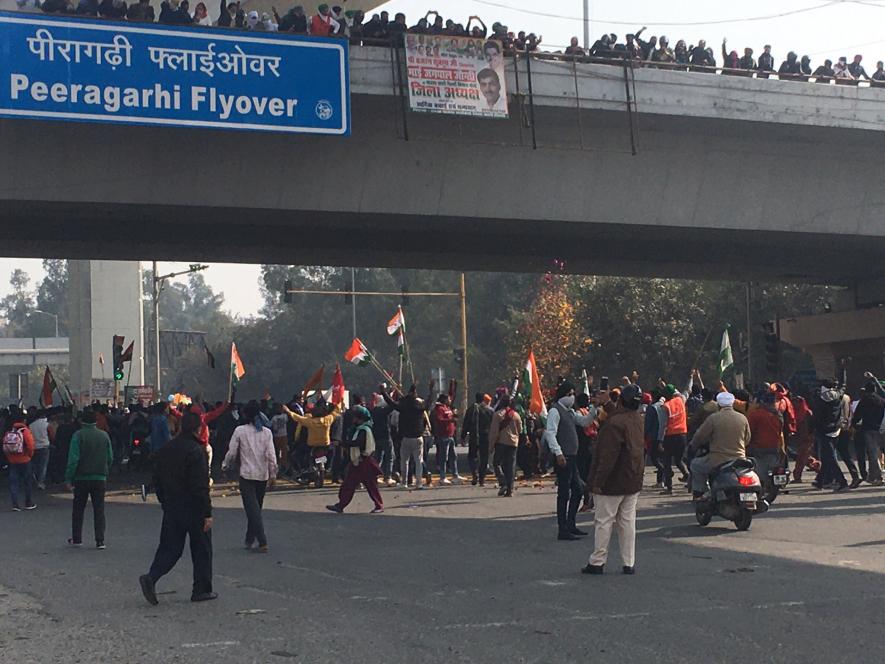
335	21
597	443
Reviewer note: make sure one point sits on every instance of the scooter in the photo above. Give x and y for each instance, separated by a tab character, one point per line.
138	454
735	494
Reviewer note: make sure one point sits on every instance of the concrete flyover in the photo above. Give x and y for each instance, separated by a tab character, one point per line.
733	177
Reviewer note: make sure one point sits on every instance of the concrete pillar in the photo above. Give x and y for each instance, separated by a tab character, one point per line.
105	299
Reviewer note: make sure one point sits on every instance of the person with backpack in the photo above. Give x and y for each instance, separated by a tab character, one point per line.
89	459
831	410
18	448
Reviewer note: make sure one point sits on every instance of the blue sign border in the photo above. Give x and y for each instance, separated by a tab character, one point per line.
206	33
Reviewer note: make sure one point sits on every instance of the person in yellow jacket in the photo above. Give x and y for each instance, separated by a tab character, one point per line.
318	425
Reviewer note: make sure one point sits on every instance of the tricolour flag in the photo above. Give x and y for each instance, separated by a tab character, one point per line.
49	386
726	359
314	382
357	353
237	370
531	386
397	323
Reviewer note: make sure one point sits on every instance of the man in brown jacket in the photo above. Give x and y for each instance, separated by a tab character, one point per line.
616	479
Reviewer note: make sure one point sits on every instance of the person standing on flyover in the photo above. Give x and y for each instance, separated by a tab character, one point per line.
181	479
616	480
89	458
561	436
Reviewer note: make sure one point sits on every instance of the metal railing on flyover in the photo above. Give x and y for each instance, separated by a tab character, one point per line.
637	63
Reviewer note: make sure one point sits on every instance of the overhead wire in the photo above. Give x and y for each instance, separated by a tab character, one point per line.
746	19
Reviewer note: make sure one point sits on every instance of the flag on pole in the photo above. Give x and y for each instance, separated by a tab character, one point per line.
314	382
127	354
237	370
585	382
397	323
726	359
49	386
358	354
401	343
531	386
337	390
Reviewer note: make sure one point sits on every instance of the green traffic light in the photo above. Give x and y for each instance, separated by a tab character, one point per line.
118	375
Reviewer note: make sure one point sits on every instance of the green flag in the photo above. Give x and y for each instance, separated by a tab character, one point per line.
726	359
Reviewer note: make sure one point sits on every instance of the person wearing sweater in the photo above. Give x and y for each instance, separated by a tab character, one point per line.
89	458
504	438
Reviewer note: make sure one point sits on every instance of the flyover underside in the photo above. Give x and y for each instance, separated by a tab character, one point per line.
269	236
703	197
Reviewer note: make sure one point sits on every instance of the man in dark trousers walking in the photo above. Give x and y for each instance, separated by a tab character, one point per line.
181	479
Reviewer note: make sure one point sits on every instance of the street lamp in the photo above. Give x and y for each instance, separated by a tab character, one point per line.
158	287
47	313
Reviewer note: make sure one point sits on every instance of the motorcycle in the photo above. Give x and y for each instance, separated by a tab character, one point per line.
138	454
773	482
735	494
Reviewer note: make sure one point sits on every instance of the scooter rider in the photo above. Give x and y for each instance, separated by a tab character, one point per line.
727	433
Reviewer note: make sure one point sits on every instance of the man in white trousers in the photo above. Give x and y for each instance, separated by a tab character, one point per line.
616	479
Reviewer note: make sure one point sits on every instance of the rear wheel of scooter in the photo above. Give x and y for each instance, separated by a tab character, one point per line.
744	520
703	516
321	476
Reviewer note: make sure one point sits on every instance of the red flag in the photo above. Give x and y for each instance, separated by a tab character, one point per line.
127	354
314	381
49	387
337	386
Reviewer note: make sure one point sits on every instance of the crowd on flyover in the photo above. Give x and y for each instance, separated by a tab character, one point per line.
335	21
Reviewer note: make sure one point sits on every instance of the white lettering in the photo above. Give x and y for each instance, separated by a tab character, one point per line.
17	83
39	91
290	107
59	93
198	96
275	107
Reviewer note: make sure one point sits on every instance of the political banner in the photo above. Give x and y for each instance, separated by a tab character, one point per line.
102	389
141	394
60	68
456	76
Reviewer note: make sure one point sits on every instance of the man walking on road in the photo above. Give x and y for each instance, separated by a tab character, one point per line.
89	458
181	479
252	449
616	480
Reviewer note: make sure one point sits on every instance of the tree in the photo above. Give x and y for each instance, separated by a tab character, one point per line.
16	307
549	327
52	295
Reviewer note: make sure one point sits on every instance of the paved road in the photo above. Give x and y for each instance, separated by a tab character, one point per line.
454	574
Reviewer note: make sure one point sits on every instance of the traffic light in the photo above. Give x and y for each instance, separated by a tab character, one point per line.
287	296
404	302
118	357
772	349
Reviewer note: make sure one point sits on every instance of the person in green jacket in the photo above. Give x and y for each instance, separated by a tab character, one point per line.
89	458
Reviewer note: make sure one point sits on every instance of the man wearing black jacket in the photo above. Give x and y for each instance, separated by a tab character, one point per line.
475	430
867	440
412	418
181	479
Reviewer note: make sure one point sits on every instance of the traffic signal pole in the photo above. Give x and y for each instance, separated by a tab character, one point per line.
156	294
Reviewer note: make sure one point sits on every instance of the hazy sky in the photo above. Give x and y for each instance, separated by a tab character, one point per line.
817	28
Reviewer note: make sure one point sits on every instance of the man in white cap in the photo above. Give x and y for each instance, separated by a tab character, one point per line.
727	433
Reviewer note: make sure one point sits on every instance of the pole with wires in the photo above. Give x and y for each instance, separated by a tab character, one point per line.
587	25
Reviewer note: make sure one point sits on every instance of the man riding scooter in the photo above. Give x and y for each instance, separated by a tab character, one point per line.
727	433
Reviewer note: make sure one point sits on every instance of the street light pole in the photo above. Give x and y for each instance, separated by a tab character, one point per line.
46	313
155	280
587	25
158	287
